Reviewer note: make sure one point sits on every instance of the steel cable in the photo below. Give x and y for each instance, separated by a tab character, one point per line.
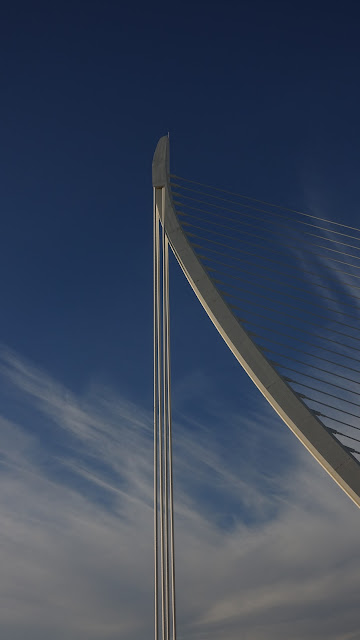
247	261
301	213
273	233
274	251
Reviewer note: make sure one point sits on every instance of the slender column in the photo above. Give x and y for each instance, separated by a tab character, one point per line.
156	410
161	395
163	474
169	425
159	529
165	428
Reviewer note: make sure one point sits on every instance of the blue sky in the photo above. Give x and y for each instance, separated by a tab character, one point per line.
258	97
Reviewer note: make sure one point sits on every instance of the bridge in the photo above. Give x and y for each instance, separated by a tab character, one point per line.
282	287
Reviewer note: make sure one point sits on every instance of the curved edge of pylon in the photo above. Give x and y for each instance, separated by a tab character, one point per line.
302	421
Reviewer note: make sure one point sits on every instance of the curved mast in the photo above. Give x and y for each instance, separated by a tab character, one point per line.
303	421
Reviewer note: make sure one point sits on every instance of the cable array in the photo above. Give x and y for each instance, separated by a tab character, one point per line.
292	279
164	578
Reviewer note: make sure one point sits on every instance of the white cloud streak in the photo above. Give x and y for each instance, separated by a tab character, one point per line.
261	555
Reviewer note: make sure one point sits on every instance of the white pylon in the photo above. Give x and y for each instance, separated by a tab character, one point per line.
165	609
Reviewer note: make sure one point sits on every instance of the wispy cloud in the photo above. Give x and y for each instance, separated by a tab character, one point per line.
264	551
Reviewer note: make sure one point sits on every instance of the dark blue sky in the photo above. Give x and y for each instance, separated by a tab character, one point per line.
262	97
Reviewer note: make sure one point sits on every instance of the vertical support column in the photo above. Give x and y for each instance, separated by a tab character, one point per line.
171	549
156	328
165	427
165	622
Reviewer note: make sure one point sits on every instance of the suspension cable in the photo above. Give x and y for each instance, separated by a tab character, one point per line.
262	219
247	231
274	251
298	340
241	223
225	274
270	268
292	306
298	299
269	204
